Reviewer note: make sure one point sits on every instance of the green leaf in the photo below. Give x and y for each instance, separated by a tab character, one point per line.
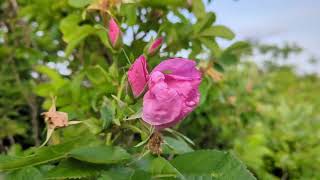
54	76
204	89
97	74
218	67
71	169
238	48
44	154
79	3
106	116
196	49
178	146
218	31
141	175
228	58
28	173
162	168
75	86
232	54
94	125
198	9
129	11
204	22
45	89
212	45
102	34
117	173
73	34
52	87
100	154
211	163
163	3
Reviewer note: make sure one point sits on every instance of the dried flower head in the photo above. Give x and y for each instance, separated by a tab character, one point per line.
55	118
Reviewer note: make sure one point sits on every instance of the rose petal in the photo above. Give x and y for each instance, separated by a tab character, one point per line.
161	104
138	76
183	77
184	68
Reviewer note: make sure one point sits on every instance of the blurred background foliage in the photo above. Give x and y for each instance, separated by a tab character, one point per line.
267	115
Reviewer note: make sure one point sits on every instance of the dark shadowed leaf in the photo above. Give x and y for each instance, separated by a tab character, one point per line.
71	169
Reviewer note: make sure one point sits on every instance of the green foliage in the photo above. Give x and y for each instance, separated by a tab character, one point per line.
100	154
267	124
209	164
44	154
267	118
73	169
218	31
28	173
214	164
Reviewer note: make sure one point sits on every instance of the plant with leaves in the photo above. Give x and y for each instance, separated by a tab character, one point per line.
83	53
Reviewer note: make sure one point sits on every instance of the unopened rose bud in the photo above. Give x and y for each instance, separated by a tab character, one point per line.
154	46
115	34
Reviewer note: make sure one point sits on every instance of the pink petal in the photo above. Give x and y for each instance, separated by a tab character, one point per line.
184	68
182	76
161	105
114	32
138	76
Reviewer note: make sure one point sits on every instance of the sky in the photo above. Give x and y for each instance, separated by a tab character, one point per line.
275	21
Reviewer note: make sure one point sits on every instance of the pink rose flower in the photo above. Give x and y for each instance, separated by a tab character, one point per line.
155	46
114	33
173	90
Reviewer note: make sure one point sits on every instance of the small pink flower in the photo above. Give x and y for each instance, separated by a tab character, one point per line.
173	91
114	33
155	46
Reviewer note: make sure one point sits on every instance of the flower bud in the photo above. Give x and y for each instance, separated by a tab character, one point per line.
115	35
154	46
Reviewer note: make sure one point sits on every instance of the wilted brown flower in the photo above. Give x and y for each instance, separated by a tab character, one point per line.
55	118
